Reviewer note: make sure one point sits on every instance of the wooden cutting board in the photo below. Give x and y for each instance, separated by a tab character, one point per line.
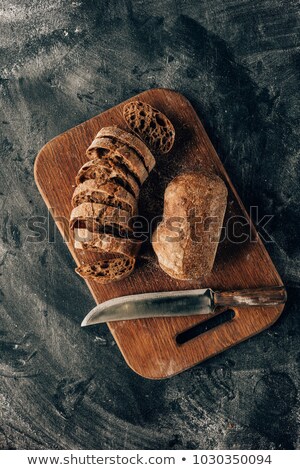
151	346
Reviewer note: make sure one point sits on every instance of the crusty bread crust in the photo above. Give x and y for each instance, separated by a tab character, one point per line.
110	149
109	194
107	171
107	188
151	125
132	141
101	218
186	246
105	243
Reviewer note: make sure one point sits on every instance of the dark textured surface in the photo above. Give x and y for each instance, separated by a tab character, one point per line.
63	62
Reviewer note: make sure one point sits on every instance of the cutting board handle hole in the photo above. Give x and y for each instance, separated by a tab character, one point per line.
205	326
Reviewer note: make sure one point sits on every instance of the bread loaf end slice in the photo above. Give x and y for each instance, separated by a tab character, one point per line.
151	125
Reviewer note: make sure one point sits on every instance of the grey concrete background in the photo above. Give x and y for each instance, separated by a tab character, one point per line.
63	62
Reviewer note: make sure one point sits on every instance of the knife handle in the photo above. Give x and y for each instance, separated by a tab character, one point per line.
251	297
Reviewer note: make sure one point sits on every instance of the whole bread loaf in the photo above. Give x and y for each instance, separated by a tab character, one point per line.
186	241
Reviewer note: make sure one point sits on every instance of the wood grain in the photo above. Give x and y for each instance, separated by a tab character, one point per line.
149	346
263	296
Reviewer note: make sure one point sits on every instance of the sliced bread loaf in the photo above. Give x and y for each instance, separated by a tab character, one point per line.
101	218
106	171
110	149
150	125
106	197
109	194
108	269
132	141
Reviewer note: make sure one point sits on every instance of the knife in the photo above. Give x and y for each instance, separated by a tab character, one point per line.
181	303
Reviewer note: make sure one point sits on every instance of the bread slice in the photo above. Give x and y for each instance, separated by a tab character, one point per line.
105	243
132	141
107	171
150	125
110	149
101	218
109	194
108	269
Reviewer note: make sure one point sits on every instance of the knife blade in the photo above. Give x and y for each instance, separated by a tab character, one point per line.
181	303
